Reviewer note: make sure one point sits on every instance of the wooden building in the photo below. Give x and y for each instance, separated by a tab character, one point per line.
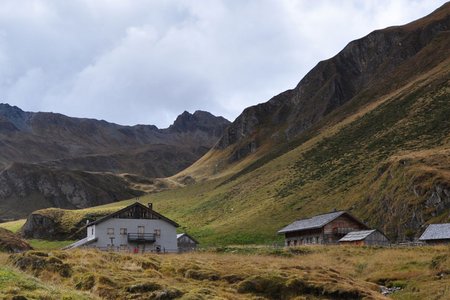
186	243
365	238
436	234
322	229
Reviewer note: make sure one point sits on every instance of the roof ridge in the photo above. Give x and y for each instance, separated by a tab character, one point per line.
329	213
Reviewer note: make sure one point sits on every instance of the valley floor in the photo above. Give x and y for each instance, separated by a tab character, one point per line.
334	272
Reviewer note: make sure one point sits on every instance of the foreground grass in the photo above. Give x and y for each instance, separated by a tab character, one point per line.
48	245
14	283
234	273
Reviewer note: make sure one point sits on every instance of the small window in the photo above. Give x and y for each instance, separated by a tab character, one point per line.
123	231
110	231
157	232
92	231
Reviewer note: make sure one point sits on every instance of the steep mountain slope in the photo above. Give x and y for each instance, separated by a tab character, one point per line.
367	131
50	159
364	70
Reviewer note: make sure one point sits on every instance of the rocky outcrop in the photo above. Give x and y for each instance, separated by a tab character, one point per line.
42	227
375	60
200	121
438	198
26	187
10	242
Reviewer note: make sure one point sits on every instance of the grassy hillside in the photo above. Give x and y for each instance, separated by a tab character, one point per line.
230	273
386	161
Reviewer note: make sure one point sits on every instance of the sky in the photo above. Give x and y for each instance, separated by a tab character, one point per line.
145	62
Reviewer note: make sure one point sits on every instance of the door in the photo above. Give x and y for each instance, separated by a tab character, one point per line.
141	231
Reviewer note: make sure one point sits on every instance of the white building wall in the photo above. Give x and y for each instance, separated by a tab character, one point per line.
91	232
167	241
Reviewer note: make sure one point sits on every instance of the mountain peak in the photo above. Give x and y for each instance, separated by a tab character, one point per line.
14	115
199	120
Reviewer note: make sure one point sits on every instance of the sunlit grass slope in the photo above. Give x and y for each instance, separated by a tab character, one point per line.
13	226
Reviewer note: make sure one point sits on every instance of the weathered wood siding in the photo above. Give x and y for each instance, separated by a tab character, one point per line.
185	244
376	238
330	233
305	237
343	225
438	242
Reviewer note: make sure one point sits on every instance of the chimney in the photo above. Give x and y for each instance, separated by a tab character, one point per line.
150	205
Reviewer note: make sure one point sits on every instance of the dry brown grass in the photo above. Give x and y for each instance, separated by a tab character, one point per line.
301	273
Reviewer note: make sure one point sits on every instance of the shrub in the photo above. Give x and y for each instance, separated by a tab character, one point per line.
271	286
86	282
143	287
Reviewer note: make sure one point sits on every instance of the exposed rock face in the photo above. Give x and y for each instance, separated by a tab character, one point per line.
41	227
49	159
25	188
200	121
332	83
438	198
10	242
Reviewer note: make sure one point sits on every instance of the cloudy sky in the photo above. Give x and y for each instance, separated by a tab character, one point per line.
145	62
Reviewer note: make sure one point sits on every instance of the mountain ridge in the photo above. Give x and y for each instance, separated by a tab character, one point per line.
42	147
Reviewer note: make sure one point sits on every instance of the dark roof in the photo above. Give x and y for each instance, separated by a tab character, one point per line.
82	242
357	235
189	236
436	232
316	222
129	207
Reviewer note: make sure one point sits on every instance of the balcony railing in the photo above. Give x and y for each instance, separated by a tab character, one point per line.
141	237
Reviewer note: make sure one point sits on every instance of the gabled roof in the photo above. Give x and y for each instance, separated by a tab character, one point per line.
136	204
357	235
189	236
82	242
436	232
316	222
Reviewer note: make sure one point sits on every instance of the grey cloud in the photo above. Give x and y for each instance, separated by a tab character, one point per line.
147	61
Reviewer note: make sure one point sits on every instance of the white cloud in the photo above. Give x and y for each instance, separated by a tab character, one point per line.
147	61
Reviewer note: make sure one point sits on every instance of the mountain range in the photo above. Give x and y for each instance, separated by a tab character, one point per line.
51	160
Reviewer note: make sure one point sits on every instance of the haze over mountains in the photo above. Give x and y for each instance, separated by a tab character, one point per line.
49	159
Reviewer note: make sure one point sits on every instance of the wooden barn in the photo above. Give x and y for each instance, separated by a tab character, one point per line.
365	238
436	234
186	243
322	229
